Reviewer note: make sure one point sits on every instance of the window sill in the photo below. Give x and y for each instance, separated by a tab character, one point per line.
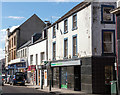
54	36
75	57
107	22
108	54
65	32
74	28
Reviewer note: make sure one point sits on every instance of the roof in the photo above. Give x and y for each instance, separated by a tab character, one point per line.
34	15
24	45
77	8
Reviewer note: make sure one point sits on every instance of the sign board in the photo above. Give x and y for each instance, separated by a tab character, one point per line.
45	77
66	63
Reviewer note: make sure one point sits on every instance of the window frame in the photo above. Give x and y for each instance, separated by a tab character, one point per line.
54	35
53	51
31	61
113	44
74	28
64	47
73	46
66	25
107	22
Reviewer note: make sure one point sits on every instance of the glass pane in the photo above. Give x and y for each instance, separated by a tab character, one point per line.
108	36
64	77
107	16
108	47
108	74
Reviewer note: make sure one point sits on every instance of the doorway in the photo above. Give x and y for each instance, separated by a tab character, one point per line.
77	78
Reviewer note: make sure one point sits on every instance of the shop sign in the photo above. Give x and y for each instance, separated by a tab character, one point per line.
66	63
63	86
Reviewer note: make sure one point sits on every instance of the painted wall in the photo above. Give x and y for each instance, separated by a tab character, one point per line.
97	27
37	49
83	33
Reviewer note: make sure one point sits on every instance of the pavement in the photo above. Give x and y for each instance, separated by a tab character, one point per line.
58	91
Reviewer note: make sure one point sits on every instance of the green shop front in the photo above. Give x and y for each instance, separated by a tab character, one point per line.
66	74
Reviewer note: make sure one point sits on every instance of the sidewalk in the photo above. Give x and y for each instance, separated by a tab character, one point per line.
59	91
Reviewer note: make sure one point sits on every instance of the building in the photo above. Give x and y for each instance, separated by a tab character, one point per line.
20	36
2	62
82	48
37	55
117	12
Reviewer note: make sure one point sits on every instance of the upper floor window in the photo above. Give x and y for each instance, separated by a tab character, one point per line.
106	16
66	47
31	59
66	26
54	51
54	32
108	41
75	45
14	40
74	22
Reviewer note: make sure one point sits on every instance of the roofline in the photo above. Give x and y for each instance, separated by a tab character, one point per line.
82	7
115	11
38	41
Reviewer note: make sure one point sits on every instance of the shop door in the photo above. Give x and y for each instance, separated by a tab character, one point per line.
77	79
108	78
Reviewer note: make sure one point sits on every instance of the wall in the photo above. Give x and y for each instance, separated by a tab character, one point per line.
83	32
97	28
33	25
37	49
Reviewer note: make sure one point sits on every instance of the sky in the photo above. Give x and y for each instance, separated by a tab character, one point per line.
15	13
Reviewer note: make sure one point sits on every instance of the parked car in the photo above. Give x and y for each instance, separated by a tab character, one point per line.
19	78
3	79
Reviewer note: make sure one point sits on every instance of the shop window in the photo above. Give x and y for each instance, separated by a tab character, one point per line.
56	77
66	48
108	74
54	51
74	22
75	45
64	77
65	26
108	41
31	59
54	32
106	16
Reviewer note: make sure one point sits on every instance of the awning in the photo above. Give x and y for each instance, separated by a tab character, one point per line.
18	60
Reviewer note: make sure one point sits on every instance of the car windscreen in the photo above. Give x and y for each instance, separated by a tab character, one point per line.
19	78
19	74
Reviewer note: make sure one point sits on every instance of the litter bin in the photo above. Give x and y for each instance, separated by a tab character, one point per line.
113	87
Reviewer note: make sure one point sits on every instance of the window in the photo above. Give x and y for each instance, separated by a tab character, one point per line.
31	59
66	26
21	53
108	74
36	59
54	51
42	56
75	45
74	21
14	54
106	16
108	41
25	53
14	40
54	32
66	47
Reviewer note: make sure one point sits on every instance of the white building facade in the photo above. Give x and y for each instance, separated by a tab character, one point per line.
82	48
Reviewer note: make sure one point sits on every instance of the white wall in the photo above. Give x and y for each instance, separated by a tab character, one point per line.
83	36
37	49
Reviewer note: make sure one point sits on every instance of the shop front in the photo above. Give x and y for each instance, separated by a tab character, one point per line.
66	74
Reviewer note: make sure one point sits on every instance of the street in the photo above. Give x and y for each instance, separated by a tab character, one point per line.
21	90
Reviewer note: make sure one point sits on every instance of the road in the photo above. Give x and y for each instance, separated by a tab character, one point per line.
21	90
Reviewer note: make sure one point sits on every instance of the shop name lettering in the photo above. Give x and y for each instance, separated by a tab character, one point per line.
56	64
